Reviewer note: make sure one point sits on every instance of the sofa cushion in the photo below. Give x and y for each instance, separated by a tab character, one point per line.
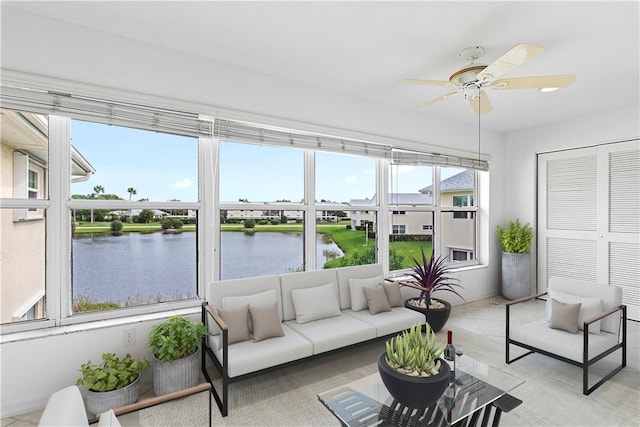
265	298
236	320
377	299
589	307
389	322
334	332
564	316
358	298
301	280
266	323
344	274
247	356
316	303
394	296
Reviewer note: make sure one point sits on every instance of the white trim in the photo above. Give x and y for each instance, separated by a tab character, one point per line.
28	305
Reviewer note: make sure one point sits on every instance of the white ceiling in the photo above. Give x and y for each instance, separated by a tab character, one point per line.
365	48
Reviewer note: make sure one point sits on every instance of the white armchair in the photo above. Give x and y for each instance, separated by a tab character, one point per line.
583	323
65	408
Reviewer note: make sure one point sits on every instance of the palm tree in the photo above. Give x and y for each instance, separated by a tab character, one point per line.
131	192
96	192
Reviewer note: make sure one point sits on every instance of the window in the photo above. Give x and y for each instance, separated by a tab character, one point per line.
344	235
134	236
399	229
460	255
132	205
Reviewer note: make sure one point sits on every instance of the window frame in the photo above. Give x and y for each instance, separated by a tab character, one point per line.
208	207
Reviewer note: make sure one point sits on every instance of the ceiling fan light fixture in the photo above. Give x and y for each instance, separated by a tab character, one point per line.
548	89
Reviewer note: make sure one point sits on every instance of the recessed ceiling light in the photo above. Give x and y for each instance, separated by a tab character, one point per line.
548	89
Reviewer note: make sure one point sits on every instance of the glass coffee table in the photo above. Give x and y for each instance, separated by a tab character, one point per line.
480	391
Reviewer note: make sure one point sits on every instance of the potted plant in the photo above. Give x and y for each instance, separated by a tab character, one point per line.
412	370
516	260
175	344
429	276
113	383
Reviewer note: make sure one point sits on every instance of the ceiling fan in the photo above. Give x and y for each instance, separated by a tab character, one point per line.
471	79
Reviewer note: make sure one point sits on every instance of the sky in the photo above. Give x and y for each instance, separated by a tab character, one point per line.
162	167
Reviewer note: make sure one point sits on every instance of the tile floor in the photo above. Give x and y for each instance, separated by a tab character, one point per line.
484	317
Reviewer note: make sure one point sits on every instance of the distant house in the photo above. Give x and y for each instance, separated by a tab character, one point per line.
24	153
455	191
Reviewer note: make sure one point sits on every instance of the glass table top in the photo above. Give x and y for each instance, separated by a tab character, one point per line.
366	402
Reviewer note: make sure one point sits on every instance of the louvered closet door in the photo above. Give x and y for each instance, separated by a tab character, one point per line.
589	217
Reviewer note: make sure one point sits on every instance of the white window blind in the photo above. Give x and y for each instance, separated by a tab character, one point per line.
258	134
405	157
106	112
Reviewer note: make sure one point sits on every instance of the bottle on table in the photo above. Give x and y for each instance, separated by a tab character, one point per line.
450	355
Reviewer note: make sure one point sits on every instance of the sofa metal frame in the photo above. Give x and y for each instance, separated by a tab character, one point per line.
222	400
587	360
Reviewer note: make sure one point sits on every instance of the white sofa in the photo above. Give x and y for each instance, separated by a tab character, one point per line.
589	323
337	321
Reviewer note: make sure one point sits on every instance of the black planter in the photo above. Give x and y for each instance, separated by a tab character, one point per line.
414	392
435	317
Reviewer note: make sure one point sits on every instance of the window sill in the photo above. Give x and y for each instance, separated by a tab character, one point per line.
94	325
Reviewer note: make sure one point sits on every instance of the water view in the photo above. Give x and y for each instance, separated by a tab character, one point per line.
164	265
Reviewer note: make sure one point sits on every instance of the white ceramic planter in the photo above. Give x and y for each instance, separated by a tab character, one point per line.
176	375
516	275
99	402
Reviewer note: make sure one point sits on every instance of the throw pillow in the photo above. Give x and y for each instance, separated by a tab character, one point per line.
316	303
564	316
262	298
377	299
589	308
266	323
358	299
393	294
236	320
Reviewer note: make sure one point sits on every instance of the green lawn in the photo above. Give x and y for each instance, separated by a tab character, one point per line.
105	227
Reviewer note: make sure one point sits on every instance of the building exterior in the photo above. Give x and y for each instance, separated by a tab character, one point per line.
24	175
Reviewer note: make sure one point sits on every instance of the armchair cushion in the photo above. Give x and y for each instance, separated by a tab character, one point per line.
589	307
564	316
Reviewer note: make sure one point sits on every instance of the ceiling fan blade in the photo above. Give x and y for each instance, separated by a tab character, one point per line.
510	60
538	82
480	103
433	101
426	82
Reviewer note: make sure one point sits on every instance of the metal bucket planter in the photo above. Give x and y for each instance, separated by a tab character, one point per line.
516	275
176	375
99	402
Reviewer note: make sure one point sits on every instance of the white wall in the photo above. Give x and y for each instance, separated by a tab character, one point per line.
33	369
522	147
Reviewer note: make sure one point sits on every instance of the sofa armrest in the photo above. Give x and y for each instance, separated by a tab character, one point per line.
216	318
527	298
146	403
602	315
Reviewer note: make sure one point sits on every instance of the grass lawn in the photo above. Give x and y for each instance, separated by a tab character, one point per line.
105	227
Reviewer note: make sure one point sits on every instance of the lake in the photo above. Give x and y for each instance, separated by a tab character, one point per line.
139	267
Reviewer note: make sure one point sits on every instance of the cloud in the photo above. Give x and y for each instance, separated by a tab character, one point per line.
183	183
350	179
